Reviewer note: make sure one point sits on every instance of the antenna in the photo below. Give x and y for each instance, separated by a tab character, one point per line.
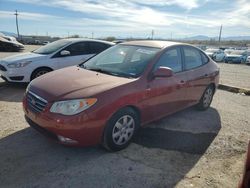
16	14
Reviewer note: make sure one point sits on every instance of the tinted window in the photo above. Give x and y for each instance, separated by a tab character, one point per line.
192	58
172	59
79	48
96	47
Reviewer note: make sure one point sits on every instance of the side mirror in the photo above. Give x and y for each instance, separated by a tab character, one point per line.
65	53
163	72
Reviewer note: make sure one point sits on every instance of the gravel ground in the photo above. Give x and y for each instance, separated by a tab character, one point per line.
187	149
235	75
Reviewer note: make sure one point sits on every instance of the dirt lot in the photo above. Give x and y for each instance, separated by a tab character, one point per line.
235	75
187	149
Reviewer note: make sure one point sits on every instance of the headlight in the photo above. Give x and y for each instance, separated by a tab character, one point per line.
72	107
18	64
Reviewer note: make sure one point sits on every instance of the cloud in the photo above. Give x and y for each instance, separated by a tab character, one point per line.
137	16
186	4
27	15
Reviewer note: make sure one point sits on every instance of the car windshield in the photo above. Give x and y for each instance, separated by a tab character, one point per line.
52	47
122	60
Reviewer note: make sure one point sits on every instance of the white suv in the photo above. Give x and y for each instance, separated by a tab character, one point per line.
62	53
248	60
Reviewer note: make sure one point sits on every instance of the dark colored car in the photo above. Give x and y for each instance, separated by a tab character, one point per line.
121	89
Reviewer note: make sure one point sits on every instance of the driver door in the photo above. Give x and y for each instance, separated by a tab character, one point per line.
166	95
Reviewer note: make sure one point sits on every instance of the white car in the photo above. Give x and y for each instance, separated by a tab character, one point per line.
216	54
59	54
248	60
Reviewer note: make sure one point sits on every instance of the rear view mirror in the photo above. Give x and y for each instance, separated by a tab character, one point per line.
163	72
65	53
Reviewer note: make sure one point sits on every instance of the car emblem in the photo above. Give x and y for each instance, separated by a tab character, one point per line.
33	101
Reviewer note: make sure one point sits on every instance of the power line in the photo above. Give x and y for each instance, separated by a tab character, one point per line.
16	14
220	33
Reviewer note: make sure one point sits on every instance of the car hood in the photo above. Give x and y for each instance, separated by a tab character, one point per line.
74	82
29	56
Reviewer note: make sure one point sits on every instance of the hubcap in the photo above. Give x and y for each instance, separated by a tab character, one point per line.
123	130
208	97
40	73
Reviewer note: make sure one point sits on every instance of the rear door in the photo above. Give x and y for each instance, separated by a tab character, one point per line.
167	95
195	65
79	52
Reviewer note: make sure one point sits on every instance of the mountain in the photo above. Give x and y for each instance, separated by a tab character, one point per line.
198	37
203	37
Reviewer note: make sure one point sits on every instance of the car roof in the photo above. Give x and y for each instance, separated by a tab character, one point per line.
152	43
87	40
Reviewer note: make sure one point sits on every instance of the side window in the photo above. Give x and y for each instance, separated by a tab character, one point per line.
80	48
172	59
96	47
204	58
192	58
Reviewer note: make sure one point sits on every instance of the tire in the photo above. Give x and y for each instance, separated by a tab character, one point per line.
120	129
206	98
39	72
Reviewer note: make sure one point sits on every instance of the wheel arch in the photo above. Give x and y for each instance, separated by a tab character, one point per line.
36	69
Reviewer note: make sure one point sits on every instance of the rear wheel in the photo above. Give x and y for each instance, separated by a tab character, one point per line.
120	129
39	72
206	98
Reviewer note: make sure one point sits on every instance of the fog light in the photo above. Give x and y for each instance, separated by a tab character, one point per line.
66	140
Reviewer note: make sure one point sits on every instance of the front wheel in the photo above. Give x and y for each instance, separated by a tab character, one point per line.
206	98
39	72
120	129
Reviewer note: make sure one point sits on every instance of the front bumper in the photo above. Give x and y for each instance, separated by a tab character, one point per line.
83	130
15	75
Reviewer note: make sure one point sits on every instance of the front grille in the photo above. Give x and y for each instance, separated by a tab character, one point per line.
35	103
2	68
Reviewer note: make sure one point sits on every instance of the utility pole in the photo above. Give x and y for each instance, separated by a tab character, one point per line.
220	34
16	14
92	34
171	36
152	34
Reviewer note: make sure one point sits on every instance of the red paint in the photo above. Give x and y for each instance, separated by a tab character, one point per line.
153	97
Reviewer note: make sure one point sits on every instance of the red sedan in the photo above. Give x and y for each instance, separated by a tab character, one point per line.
109	97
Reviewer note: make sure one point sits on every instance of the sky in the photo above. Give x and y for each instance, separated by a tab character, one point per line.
127	18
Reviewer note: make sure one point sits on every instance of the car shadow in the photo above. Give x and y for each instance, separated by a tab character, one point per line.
160	156
12	92
187	131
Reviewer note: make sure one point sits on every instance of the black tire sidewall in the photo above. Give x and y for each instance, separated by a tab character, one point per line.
201	103
107	137
33	75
